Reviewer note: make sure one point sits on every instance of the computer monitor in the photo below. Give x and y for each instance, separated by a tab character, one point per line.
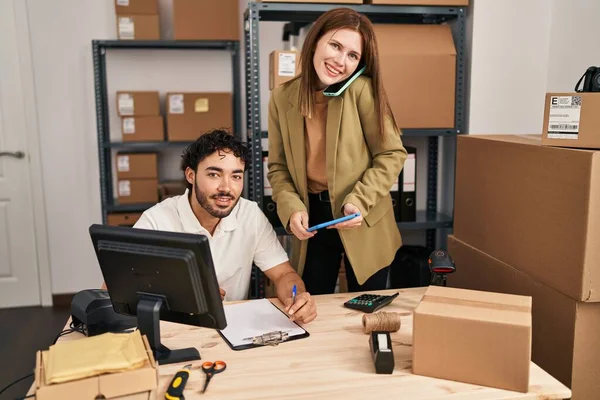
158	275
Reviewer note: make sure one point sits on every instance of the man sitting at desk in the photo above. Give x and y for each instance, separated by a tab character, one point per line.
238	231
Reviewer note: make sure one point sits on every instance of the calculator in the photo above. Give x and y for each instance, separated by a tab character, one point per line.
369	302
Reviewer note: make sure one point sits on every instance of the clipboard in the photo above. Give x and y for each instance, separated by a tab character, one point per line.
254	318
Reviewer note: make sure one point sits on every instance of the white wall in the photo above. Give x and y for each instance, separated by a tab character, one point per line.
520	49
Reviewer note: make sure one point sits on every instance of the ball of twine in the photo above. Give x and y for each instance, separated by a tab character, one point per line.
381	321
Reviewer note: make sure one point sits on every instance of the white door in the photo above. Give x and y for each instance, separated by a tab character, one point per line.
19	275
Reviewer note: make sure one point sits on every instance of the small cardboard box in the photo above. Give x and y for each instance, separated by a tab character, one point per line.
565	331
131	191
143	129
420	2
170	189
572	120
122	219
476	337
138	103
137	384
136	165
534	207
206	20
125	7
283	66
418	66
313	1
193	114
138	27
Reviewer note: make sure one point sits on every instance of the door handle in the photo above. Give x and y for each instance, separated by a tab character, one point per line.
15	154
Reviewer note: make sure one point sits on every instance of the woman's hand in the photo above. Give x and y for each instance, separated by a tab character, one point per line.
349	209
299	225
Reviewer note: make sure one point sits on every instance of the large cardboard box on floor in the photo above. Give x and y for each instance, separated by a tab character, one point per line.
565	331
193	114
536	208
474	337
418	64
206	20
572	120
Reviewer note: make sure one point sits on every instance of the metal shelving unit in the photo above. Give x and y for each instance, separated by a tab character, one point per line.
430	219
99	50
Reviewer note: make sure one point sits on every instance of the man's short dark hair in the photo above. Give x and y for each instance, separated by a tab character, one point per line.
210	142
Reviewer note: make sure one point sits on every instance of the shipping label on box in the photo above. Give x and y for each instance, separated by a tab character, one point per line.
563	119
126	28
283	66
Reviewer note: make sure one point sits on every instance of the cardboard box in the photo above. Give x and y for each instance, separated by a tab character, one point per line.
283	66
143	129
122	219
124	7
132	191
476	337
136	165
565	331
140	383
138	103
192	114
420	2
418	66
536	208
170	189
138	27
572	120
206	20
313	1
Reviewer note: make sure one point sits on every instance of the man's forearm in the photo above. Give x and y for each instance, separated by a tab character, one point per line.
286	282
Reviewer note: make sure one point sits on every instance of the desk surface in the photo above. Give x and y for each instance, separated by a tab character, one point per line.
334	362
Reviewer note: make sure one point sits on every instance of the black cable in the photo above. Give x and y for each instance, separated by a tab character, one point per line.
15	382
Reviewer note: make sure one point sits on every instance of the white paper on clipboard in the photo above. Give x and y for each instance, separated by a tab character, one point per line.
254	318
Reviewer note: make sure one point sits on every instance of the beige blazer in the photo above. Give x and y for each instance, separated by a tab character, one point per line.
361	169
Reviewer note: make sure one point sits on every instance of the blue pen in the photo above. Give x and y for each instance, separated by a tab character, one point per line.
294	294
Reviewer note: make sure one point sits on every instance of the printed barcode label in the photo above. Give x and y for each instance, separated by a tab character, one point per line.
125	104
176	104
128	126
563	118
126	28
123	3
124	188
123	163
287	64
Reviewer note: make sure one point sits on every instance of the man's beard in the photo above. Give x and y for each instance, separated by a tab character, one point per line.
215	211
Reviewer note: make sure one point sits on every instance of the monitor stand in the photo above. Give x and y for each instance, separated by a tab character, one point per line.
148	315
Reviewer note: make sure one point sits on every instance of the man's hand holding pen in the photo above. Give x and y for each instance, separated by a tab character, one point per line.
303	309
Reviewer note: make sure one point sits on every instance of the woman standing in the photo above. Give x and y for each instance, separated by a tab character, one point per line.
331	156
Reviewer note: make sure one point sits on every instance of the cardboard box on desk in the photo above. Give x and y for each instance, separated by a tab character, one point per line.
418	64
192	114
565	331
572	120
136	384
536	208
475	337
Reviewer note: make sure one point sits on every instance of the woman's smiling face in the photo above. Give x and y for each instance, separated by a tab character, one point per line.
337	55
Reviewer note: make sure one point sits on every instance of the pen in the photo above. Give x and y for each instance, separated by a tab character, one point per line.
293	294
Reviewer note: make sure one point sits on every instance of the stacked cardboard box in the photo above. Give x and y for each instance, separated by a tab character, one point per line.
137	19
206	20
137	178
527	222
140	116
283	66
189	115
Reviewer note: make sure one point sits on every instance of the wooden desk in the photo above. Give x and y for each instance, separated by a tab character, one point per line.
333	363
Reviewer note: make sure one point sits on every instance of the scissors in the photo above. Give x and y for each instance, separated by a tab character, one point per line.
211	368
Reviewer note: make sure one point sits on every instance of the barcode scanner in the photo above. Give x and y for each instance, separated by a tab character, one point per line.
440	265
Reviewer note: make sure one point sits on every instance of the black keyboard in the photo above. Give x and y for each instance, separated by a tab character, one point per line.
369	302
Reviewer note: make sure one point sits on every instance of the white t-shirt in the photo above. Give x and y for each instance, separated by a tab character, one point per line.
244	237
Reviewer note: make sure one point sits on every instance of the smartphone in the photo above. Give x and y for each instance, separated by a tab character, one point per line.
338	88
333	222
